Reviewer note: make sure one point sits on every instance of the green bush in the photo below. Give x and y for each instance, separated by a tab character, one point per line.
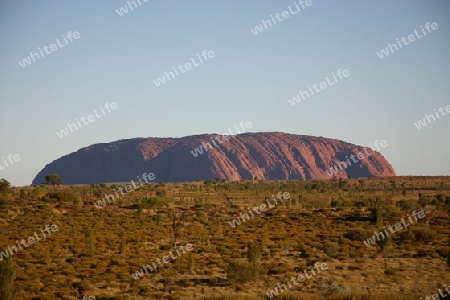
390	272
63	196
331	249
425	235
240	271
160	193
152	202
358	234
329	288
165	247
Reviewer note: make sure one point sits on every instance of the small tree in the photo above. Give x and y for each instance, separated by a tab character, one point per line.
302	250
140	207
254	258
39	192
385	247
7	274
4	185
448	260
123	246
90	241
53	179
176	225
190	263
241	271
253	253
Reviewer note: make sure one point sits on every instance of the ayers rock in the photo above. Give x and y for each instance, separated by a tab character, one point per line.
265	155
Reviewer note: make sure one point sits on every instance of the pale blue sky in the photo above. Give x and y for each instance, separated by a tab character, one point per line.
250	78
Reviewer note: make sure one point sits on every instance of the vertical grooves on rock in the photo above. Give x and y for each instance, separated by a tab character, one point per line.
268	156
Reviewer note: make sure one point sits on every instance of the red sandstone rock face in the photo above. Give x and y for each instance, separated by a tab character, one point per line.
268	156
